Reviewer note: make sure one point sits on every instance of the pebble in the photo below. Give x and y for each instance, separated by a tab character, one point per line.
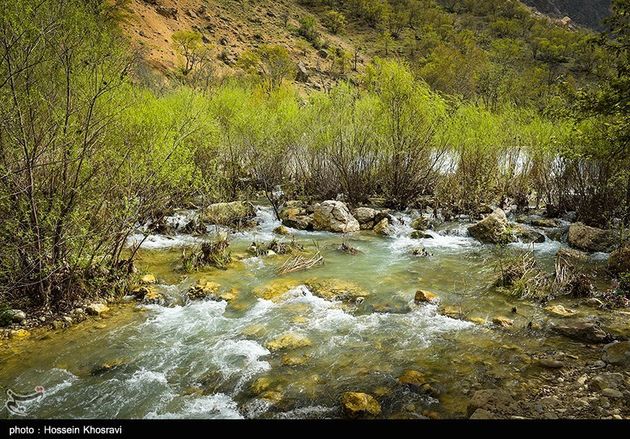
550	363
617	417
582	380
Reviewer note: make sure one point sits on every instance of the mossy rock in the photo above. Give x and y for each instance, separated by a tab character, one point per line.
288	341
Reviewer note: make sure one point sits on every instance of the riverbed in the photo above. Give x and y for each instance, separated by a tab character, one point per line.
217	359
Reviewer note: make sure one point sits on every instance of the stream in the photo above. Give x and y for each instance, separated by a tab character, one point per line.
213	359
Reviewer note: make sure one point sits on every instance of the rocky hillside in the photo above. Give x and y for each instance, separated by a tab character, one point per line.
323	54
229	28
585	12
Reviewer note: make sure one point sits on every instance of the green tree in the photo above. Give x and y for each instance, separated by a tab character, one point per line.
272	61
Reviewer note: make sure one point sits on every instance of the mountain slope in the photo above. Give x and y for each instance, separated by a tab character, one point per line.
585	12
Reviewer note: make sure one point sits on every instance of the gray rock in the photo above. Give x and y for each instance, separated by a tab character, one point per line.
302	73
17	316
550	363
582	330
366	217
334	216
527	234
96	309
493	229
617	353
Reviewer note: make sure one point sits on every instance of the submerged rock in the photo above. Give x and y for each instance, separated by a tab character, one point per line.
96	309
336	289
108	366
288	341
203	290
425	296
582	330
451	311
420	223
478	320
281	230
233	214
527	234
560	311
503	322
590	239
19	333
617	353
417	234
493	229
414	379
619	260
275	289
294	360
334	216
545	223
357	405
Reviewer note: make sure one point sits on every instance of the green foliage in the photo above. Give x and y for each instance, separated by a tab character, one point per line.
5	314
308	30
272	62
335	21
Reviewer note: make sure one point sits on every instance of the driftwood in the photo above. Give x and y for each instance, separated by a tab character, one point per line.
348	249
299	263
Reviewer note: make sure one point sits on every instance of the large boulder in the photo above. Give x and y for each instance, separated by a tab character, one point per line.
493	229
236	213
357	404
334	216
586	331
619	260
590	239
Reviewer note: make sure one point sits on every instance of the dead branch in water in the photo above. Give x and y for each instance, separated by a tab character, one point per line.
348	249
299	263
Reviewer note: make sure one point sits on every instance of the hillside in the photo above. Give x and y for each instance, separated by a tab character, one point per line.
229	28
459	47
585	12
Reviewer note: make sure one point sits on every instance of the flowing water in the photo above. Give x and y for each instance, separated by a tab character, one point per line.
210	359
